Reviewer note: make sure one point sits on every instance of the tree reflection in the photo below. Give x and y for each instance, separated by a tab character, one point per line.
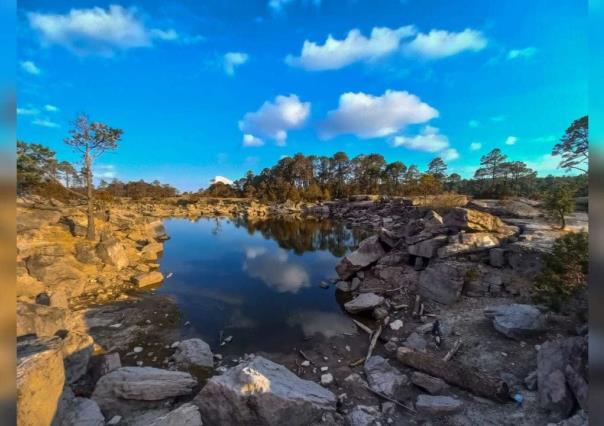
302	235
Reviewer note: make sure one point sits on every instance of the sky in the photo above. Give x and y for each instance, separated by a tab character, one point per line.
215	88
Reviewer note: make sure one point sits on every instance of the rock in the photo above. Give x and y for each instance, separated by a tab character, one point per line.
497	257
530	381
185	415
380	313
516	321
140	388
416	342
362	415
40	380
261	392
428	248
433	385
460	218
506	208
442	282
382	377
157	231
75	411
85	252
438	405
469	243
396	325
579	419
40	320
194	353
77	348
554	394
326	379
114	420
112	252
34	219
370	251
363	302
148	278
152	251
324	285
104	364
43	299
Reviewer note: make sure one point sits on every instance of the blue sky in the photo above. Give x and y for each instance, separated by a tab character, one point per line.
216	88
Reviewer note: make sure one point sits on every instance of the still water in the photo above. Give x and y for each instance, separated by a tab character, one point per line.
256	281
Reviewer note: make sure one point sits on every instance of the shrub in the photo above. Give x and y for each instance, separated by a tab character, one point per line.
564	271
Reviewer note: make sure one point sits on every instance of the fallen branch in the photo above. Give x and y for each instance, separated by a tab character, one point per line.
305	357
401	306
453	351
373	342
416	306
455	374
387	398
357	362
363	327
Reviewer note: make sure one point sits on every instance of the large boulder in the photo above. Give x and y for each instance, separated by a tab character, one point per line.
34	219
363	302
148	278
370	251
111	251
157	230
140	388
77	349
516	321
261	392
185	415
463	219
442	282
40	380
428	248
41	320
76	411
556	394
194	353
383	377
469	243
506	208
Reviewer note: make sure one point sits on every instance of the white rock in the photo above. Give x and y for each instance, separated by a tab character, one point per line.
396	324
326	379
305	363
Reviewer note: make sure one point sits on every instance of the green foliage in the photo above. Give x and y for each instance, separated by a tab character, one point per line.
574	146
138	189
35	164
564	272
559	202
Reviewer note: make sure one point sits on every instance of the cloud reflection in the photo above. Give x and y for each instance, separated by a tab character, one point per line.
272	268
329	324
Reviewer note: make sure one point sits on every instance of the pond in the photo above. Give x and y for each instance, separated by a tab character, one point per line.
258	282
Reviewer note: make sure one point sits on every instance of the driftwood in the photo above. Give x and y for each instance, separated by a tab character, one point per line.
455	374
374	339
387	398
453	351
357	362
363	327
401	306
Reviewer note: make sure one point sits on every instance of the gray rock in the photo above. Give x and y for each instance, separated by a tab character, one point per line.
105	364
383	377
432	385
348	286
362	415
363	302
140	388
185	415
261	392
428	248
77	349
380	313
112	252
530	381
469	243
497	257
157	231
370	251
194	353
554	393
516	321
75	411
442	282
416	342
438	405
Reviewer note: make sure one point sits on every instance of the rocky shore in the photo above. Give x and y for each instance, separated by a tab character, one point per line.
436	298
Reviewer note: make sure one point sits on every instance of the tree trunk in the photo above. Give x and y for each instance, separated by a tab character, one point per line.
455	374
90	234
562	221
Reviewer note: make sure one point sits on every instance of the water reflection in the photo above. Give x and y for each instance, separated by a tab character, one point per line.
257	281
274	269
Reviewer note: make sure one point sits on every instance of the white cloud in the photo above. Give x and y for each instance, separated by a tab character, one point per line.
546	164
44	122
275	270
527	52
475	146
440	44
369	116
104	171
27	111
51	108
30	68
221	179
276	6
97	30
511	140
274	119
473	123
251	140
498	118
335	54
449	154
428	140
232	60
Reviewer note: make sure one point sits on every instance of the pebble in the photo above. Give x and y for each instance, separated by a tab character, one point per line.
187	323
139	363
114	420
175	345
326	379
137	349
305	363
117	325
347	348
218	357
396	324
325	368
